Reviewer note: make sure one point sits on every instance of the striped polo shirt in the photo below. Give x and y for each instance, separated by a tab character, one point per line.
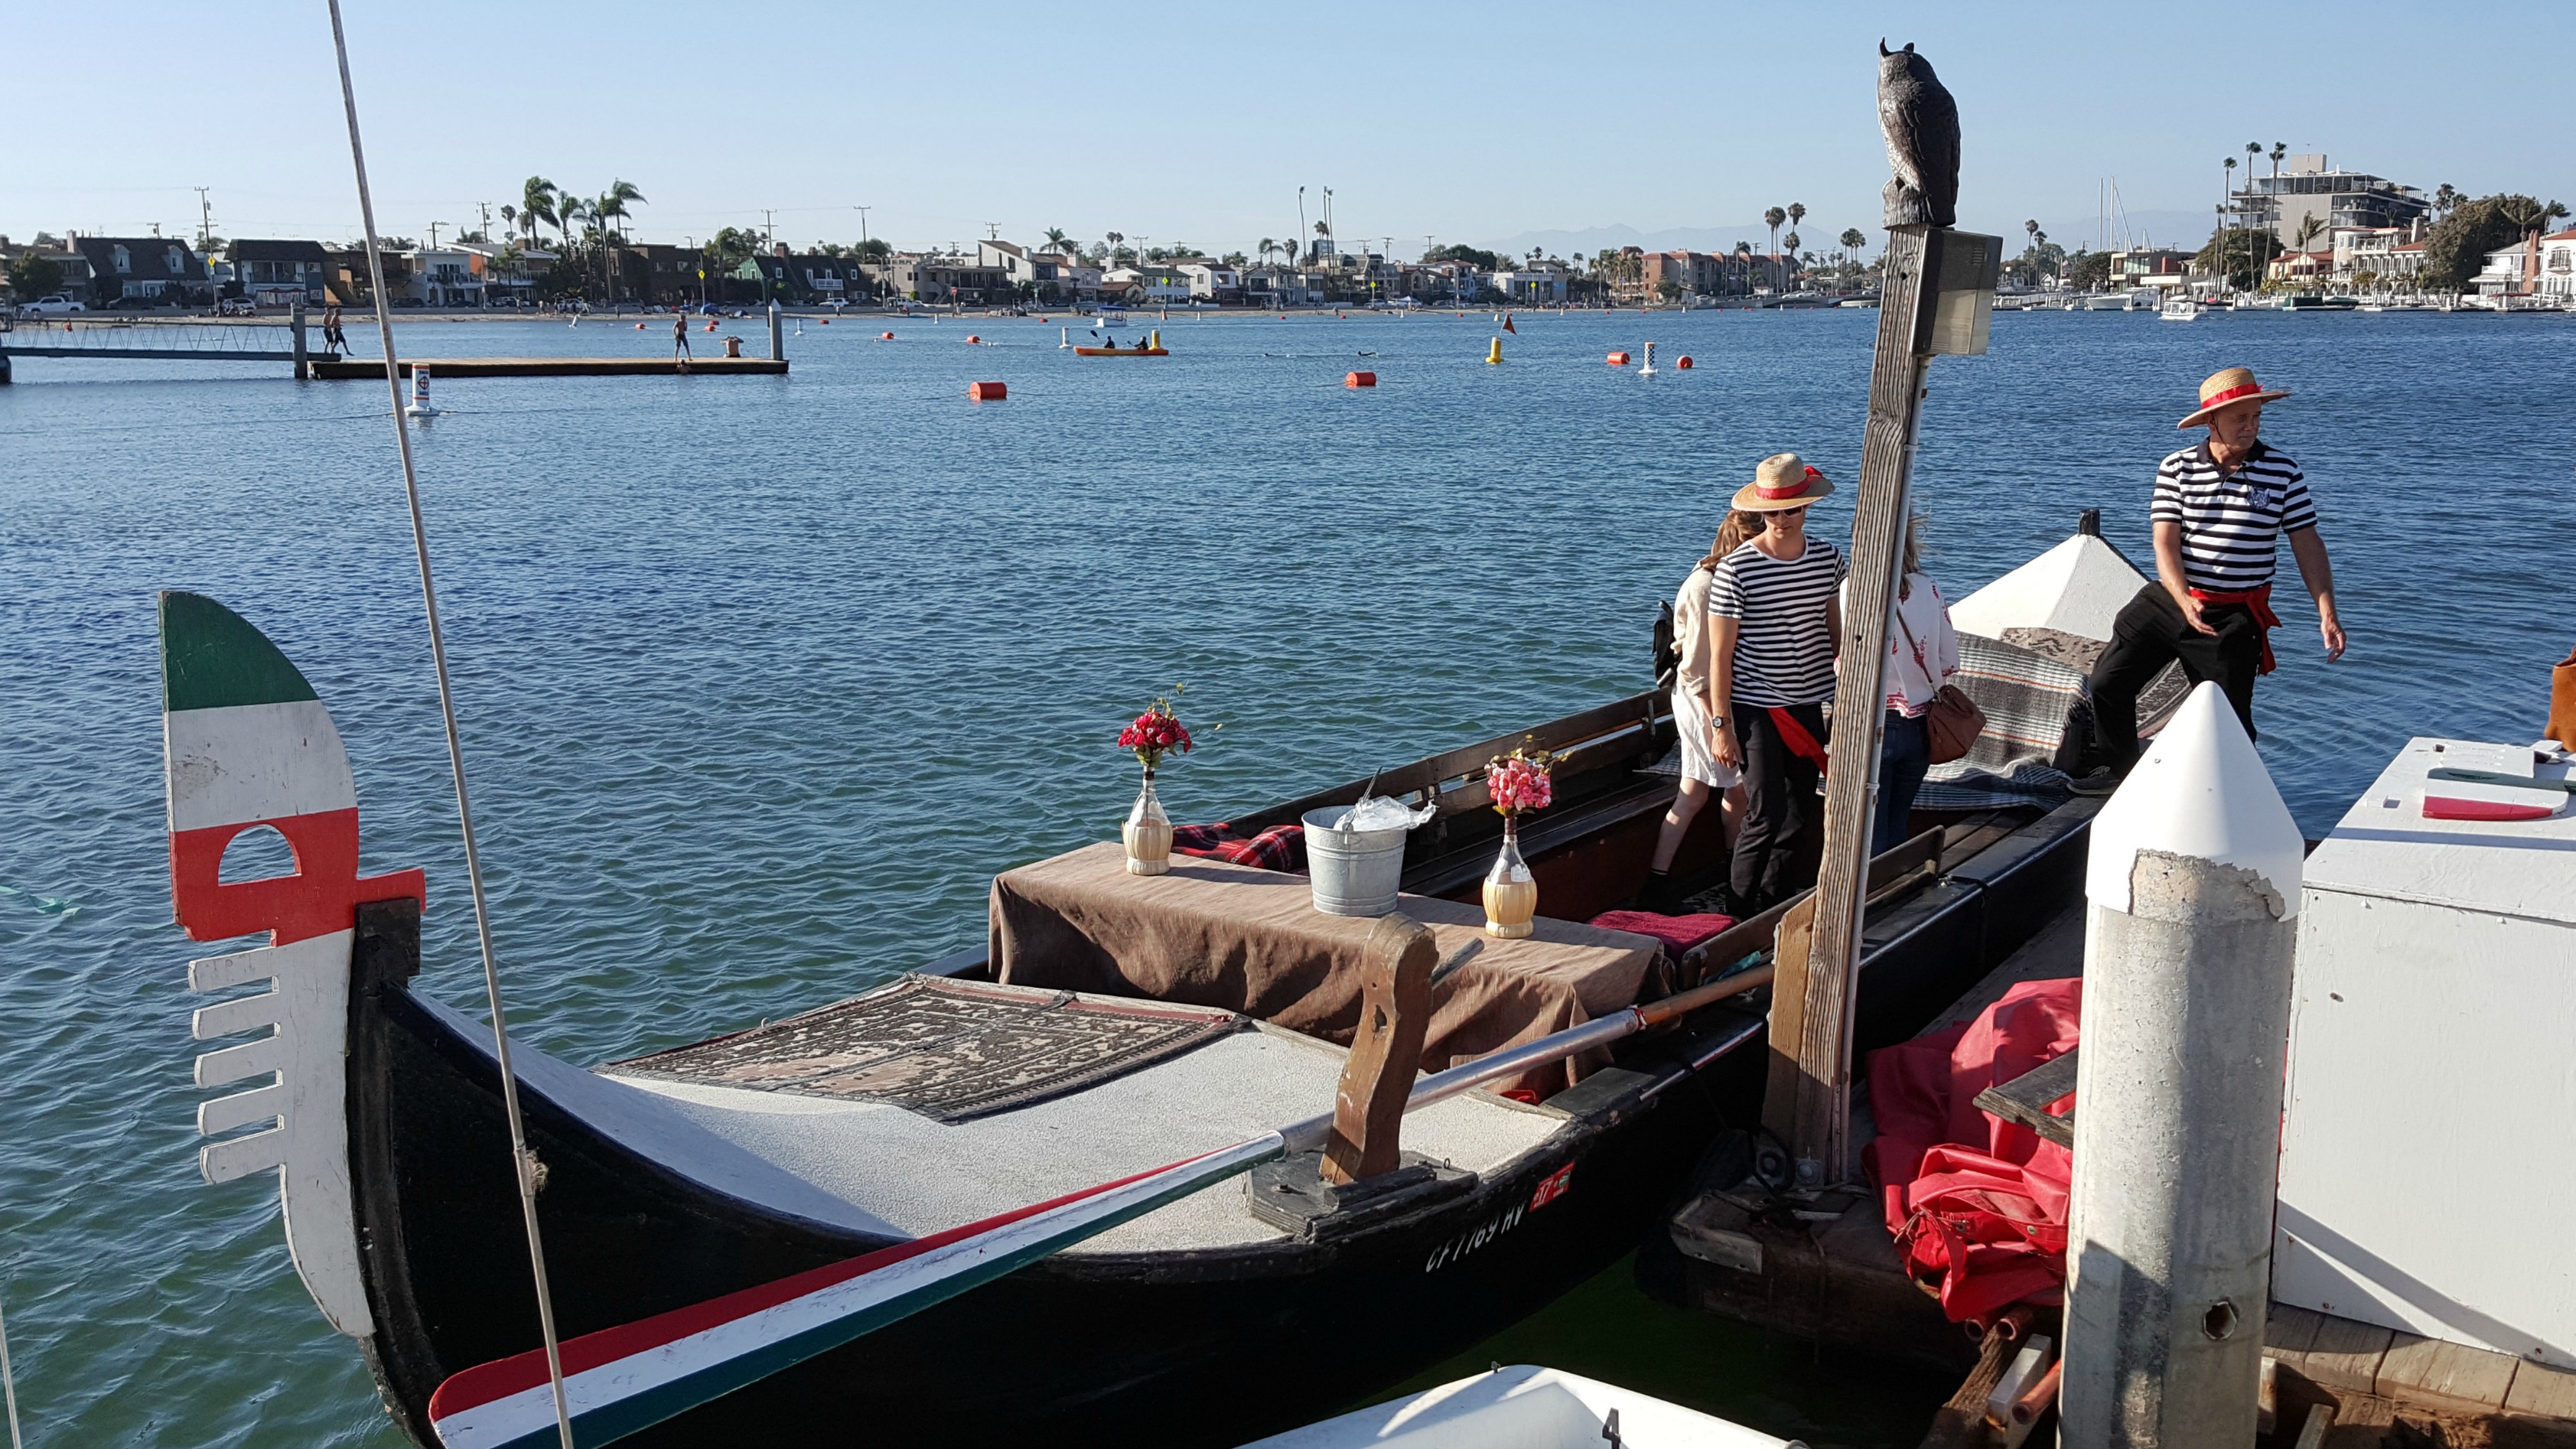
2231	522
1784	644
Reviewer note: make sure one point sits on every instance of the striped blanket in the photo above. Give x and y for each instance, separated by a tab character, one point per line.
2027	697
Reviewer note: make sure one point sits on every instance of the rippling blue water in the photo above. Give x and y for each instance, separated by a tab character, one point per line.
762	679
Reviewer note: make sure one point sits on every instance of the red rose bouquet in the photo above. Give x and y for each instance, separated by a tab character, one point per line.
1153	734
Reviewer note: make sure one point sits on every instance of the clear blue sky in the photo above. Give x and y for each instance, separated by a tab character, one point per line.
1198	123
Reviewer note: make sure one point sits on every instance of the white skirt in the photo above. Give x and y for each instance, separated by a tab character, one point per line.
1699	757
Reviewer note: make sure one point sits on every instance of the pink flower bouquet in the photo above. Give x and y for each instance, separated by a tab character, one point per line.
1520	781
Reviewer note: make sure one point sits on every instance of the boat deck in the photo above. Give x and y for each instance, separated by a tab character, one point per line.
923	1175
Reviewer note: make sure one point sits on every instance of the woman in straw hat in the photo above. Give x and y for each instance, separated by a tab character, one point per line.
1773	620
2221	506
1701	773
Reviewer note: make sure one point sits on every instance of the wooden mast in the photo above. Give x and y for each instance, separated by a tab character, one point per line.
1808	1101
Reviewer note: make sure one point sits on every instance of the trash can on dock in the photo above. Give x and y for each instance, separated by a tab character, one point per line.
1354	872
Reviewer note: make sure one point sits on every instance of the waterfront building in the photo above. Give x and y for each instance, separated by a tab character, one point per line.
1146	282
1039	276
2385	254
2148	266
442	277
75	283
509	271
940	277
2536	266
2307	187
2300	268
279	273
152	270
2558	267
1213	281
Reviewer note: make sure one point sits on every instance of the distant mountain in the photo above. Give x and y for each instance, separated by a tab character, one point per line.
2187	229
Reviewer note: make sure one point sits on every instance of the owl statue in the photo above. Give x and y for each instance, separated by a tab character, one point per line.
1922	125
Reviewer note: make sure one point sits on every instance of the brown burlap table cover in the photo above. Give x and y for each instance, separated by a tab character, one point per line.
1211	933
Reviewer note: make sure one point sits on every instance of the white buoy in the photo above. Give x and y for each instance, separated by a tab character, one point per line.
1649	369
1067	339
420	407
2193	883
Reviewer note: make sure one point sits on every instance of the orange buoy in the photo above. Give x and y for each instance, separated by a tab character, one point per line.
987	391
881	337
972	339
1682	363
1618	359
711	324
827	321
639	326
1359	379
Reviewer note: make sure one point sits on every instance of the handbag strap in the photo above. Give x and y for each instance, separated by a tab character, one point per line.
1897	610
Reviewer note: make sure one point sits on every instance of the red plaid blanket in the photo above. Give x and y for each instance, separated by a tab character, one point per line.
1281	847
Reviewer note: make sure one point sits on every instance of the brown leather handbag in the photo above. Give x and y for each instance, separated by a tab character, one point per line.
1953	723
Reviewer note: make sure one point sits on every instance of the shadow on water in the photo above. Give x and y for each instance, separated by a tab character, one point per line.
1606	1329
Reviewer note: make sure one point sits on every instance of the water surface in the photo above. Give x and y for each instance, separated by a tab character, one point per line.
762	679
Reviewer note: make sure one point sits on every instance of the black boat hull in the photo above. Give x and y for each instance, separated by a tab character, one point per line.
1185	1348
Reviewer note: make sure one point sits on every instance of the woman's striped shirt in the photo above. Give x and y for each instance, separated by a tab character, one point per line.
2231	522
1784	645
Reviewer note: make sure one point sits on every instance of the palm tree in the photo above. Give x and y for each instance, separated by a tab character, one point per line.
1797	214
1853	240
509	220
610	208
1056	237
1791	242
537	198
1772	219
1268	245
1114	237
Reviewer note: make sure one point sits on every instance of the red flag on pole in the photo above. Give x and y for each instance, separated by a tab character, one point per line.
1508	327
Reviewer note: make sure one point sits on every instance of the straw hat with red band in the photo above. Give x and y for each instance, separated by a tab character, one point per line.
1782	480
2225	388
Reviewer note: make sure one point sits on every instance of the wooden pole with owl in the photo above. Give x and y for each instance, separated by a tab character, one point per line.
1808	1102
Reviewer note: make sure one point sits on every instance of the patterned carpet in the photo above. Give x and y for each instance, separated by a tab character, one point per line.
949	1050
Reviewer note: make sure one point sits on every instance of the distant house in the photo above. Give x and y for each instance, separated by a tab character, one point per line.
1213	281
67	259
280	273
509	271
2299	268
2558	266
442	277
161	271
943	277
1147	282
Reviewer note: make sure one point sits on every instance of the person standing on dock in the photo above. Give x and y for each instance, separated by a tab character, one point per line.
1773	618
2220	509
334	341
1693	717
680	340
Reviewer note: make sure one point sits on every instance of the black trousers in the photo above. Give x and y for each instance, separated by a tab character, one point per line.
1779	797
2150	633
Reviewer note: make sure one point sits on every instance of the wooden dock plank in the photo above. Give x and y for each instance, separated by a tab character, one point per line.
2540	1390
2442	1374
446	367
2027	1098
2345	1354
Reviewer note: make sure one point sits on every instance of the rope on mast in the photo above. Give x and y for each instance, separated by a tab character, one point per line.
521	1160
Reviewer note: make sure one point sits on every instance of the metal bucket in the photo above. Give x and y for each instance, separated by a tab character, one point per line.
1354	872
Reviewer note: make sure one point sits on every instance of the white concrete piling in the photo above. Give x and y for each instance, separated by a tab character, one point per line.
777	335
2193	883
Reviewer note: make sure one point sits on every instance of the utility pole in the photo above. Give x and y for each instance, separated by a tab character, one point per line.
863	225
205	220
433	234
768	229
486	208
1301	219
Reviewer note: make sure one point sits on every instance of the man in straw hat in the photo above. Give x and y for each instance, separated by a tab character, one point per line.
1774	614
2220	508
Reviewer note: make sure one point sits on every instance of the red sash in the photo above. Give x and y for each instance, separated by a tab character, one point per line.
2257	602
1795	736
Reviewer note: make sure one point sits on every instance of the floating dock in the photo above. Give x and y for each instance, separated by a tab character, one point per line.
447	367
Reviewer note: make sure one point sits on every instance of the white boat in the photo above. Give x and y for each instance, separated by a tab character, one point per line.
1523	1406
2106	301
2179	309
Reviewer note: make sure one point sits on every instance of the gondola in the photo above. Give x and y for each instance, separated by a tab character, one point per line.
667	1180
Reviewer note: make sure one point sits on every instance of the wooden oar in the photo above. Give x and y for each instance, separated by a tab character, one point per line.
624	1379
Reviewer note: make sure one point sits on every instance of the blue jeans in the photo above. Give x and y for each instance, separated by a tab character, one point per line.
1902	759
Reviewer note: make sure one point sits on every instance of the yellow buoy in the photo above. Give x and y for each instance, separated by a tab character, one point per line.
1157	337
1495	352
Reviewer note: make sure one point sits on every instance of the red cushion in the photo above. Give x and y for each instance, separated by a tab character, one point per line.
1678	933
